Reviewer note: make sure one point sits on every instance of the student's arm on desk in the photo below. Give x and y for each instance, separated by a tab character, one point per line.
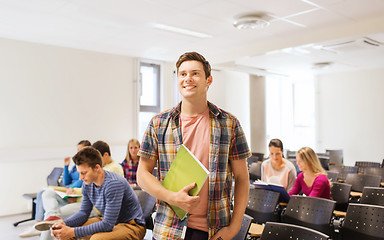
239	168
150	184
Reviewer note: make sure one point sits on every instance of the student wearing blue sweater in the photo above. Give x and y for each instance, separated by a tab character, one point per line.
120	213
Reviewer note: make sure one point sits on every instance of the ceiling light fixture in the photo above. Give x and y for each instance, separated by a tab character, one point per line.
322	65
252	21
181	31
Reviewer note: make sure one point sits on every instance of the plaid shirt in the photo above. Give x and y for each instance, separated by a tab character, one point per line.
161	142
130	169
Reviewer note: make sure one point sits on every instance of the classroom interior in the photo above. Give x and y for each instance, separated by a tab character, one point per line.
71	70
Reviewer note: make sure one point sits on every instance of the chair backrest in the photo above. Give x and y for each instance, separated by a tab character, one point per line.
310	212
262	205
147	202
332	176
340	192
324	159
362	165
359	181
259	156
375	171
343	170
284	231
255	171
245	224
373	196
335	156
363	221
53	178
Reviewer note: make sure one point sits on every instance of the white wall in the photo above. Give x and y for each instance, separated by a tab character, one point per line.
230	91
350	114
51	98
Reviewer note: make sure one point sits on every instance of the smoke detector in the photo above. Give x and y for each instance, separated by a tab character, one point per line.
252	21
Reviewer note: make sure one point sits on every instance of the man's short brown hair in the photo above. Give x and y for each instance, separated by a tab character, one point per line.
88	155
194	56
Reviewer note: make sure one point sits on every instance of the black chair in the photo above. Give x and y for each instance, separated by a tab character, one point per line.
335	156
255	171
340	193
284	231
291	154
245	224
362	165
373	196
53	179
31	196
332	176
262	205
363	221
375	171
259	156
147	203
343	170
359	181
256	157
324	160
310	212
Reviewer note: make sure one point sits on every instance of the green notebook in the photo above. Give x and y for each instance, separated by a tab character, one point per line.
185	169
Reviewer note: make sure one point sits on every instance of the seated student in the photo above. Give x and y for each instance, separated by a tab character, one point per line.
131	161
108	163
70	180
55	211
277	169
312	181
121	216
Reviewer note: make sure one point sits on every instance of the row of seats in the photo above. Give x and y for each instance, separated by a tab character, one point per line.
362	221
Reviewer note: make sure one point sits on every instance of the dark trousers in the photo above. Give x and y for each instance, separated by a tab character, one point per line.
194	234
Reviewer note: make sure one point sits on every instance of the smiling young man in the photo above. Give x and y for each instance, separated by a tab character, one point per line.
216	138
120	213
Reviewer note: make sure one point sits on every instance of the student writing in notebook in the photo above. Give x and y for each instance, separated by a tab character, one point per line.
312	181
216	138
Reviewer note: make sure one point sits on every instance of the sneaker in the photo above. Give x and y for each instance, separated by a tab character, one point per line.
47	223
30	232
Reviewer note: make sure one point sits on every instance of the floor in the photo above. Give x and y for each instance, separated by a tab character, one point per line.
9	232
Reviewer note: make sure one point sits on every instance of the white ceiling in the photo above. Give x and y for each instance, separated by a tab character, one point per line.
295	38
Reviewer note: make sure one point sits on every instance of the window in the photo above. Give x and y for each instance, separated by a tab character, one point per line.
290	111
149	90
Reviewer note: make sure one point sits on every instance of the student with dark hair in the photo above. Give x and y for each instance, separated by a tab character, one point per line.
216	138
312	181
108	163
120	217
70	180
277	169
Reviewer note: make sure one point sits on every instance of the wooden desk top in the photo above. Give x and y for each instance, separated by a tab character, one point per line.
339	213
256	230
356	194
382	184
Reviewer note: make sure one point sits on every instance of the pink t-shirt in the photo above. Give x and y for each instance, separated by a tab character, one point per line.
196	137
320	187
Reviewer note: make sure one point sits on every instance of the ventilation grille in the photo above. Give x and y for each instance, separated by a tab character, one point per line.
364	43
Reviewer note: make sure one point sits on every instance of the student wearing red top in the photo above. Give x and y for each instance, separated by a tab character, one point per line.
312	181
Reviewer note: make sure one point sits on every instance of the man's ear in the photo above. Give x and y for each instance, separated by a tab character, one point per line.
98	167
209	81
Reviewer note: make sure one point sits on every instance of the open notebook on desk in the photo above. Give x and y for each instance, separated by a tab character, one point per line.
284	196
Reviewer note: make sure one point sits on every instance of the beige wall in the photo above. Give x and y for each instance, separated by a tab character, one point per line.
350	114
50	98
